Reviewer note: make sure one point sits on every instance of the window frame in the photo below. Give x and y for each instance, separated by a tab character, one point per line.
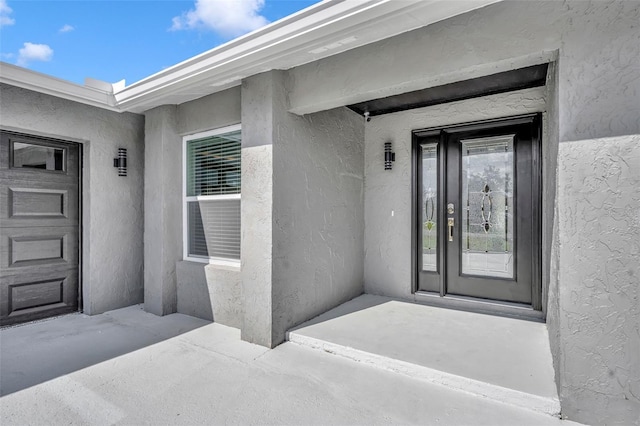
211	260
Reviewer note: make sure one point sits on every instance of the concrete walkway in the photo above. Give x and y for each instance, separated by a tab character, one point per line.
130	367
505	359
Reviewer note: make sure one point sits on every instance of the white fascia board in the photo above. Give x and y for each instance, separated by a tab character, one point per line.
309	35
42	83
241	50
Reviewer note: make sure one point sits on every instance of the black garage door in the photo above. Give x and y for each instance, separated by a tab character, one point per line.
39	217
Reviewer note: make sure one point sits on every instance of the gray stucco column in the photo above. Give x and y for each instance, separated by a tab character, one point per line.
302	210
257	206
162	209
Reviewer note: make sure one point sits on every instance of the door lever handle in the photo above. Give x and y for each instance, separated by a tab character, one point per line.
450	227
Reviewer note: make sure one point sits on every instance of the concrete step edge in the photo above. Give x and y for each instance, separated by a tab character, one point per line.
545	405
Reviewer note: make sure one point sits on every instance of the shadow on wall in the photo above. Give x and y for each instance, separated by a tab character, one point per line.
212	293
37	352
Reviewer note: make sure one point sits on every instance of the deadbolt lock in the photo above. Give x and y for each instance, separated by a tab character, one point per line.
450	208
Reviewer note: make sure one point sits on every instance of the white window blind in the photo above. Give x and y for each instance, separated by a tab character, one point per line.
212	195
214	228
213	165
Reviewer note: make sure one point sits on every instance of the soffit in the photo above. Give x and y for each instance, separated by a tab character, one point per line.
320	31
317	32
521	78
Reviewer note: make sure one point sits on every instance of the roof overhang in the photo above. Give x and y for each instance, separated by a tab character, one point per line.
320	31
43	83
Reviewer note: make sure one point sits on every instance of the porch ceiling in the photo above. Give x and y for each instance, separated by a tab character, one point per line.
522	78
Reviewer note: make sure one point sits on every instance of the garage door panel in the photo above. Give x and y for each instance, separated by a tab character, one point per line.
44	204
38	247
31	294
30	301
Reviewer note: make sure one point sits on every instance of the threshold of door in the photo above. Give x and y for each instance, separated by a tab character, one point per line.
504	359
483	306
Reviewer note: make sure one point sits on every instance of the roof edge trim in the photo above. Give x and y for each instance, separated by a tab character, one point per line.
38	82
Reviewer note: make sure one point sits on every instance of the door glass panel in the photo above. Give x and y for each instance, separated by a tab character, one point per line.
487	201
429	207
37	156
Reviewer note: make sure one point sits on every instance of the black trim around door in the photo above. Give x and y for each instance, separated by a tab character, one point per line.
527	131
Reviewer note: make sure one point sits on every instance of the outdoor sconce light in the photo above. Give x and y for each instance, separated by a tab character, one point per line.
389	156
121	162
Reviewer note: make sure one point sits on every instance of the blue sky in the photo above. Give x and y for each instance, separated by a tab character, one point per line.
113	40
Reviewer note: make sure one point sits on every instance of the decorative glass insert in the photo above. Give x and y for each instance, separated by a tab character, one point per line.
42	157
488	207
429	157
213	165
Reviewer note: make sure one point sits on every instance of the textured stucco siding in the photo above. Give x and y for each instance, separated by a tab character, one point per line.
256	253
598	45
257	207
387	242
302	210
318	209
209	112
163	209
210	292
171	285
599	276
112	206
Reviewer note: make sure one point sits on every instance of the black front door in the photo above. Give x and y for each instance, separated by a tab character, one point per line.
477	210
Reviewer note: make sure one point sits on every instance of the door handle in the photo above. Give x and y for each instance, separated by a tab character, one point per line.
450	227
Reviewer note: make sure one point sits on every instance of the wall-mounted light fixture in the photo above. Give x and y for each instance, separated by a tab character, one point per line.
121	162
389	156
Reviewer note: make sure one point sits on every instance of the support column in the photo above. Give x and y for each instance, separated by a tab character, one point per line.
257	207
162	209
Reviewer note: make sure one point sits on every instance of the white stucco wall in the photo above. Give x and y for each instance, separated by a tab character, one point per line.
171	284
598	44
318	210
112	206
302	210
387	260
599	280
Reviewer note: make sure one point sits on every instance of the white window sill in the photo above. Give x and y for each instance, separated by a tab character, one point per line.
229	265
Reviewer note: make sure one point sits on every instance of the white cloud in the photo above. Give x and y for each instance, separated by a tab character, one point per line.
229	18
66	28
34	52
5	11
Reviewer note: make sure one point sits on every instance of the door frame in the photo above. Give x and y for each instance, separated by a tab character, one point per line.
535	120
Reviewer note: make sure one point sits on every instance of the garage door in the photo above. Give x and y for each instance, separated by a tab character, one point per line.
39	217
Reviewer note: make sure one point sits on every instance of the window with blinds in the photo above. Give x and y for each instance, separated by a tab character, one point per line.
212	195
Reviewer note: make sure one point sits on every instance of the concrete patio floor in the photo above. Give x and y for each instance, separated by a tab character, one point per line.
505	359
131	367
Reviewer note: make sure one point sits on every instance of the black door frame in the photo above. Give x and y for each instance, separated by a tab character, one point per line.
439	133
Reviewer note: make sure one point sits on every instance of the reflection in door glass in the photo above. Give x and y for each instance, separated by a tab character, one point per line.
429	207
487	200
37	156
